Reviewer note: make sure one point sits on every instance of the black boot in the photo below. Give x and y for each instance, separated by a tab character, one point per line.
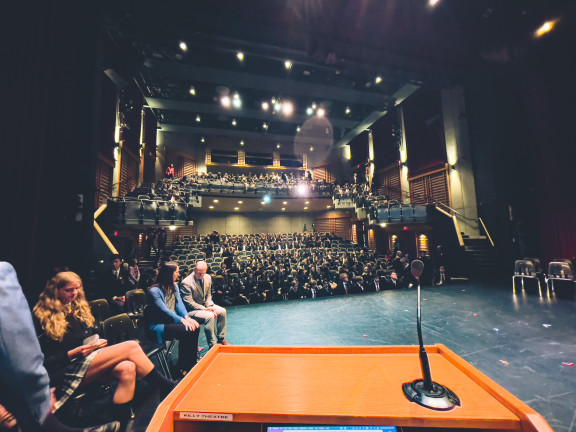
124	413
163	384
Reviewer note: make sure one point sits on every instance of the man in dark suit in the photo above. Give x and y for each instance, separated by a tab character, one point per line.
115	282
392	281
344	285
440	277
375	285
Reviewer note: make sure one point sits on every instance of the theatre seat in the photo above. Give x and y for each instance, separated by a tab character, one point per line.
525	269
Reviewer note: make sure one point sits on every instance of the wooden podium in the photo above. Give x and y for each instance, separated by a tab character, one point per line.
247	388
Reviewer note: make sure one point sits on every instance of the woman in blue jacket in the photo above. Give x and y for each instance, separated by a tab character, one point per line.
167	317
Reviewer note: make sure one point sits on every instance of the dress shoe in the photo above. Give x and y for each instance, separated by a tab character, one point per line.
224	342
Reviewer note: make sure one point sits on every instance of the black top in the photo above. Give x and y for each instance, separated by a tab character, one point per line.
56	353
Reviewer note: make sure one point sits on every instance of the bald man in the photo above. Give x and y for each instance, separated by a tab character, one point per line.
196	292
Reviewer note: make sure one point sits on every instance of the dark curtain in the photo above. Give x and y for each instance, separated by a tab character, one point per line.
386	148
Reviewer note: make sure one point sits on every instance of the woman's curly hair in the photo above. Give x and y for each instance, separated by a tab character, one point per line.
52	313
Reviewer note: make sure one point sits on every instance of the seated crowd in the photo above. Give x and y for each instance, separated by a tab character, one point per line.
272	267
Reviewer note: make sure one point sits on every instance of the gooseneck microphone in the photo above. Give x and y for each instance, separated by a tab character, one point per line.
424	391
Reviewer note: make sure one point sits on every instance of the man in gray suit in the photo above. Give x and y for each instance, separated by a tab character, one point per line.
196	292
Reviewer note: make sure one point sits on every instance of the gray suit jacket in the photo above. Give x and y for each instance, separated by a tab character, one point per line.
194	297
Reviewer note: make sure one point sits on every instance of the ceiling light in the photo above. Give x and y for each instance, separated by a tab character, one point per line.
202	139
311	148
237	102
215	201
378	80
236	208
287	108
240	55
183	46
265	106
198	119
241	142
313	105
225	101
277	106
278	145
240	202
298	129
172	227
321	112
264	125
545	28
211	207
273	100
347	110
192	91
233	122
288	64
433	3
309	111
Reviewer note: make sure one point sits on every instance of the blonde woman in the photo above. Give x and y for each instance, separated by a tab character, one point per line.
74	357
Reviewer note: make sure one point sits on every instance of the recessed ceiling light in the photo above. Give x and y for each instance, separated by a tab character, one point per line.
233	122
236	101
183	46
298	129
264	125
287	108
277	106
288	64
433	3
265	106
309	111
311	148
225	101
378	79
313	105
198	119
215	201
192	91
240	55
241	142
278	146
347	110
202	139
321	112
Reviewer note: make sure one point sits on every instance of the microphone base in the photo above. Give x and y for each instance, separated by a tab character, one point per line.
439	398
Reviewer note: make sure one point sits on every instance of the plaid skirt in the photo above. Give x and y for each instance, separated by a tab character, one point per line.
73	376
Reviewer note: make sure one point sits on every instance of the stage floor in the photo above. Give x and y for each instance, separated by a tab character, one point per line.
524	343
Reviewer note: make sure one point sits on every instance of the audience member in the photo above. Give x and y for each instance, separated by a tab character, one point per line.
196	291
167	317
75	356
24	388
114	283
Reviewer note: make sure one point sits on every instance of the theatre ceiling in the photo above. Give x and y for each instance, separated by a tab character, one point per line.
317	72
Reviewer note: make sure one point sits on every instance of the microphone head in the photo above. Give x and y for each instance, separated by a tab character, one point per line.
417	267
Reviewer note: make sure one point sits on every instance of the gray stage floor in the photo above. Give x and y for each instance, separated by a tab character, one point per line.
519	341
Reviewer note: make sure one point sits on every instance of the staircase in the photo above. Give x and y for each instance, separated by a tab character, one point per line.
481	256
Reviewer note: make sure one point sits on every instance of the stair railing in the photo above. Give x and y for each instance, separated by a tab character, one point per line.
450	212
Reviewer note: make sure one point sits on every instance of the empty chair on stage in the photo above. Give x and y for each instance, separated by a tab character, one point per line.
561	279
525	269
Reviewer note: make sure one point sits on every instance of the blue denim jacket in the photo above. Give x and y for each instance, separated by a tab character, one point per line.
24	382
